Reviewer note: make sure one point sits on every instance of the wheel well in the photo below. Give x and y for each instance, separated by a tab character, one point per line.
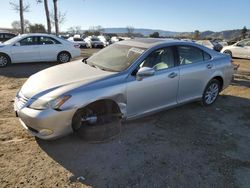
107	105
6	56
220	79
101	107
64	52
228	52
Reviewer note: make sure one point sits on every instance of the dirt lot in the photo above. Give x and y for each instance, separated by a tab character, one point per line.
189	146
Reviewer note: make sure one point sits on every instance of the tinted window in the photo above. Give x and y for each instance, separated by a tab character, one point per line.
189	54
160	59
48	40
206	56
9	36
29	41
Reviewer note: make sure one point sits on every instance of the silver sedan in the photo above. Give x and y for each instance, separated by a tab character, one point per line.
131	78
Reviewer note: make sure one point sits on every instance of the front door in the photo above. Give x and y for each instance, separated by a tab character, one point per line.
157	91
27	50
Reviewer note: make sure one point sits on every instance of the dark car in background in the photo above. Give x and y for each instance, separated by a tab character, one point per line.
4	36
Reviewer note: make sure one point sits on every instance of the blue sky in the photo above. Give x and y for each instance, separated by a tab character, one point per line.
172	15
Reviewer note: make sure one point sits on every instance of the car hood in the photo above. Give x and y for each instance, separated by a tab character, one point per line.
69	76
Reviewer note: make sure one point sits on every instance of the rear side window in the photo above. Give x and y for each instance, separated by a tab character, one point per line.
48	40
190	55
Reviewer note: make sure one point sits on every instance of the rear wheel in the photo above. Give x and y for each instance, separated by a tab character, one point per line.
4	60
63	57
228	52
211	92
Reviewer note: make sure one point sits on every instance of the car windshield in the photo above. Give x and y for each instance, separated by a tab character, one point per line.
116	57
12	40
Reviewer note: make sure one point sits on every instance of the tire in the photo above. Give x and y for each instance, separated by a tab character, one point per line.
211	92
63	57
228	52
4	60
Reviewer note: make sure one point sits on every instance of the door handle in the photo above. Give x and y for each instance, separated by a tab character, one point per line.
172	75
209	66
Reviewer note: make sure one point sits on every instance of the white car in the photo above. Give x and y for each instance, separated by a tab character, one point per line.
240	49
37	48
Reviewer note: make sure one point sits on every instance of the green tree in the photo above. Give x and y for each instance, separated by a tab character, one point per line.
37	28
155	35
244	32
196	35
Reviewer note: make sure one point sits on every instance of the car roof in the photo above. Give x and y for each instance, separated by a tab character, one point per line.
151	42
36	34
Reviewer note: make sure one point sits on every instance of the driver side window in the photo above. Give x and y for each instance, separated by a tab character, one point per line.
160	59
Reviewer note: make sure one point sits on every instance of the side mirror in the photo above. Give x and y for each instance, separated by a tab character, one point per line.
17	44
144	72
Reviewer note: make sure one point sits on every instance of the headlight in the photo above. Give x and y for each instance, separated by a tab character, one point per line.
40	104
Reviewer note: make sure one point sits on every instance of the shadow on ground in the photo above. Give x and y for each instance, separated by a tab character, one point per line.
190	146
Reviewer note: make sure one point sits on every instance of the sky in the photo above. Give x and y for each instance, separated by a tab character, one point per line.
170	15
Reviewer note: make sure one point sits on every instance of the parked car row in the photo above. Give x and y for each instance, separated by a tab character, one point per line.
37	48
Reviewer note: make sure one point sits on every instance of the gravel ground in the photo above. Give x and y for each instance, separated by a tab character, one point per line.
189	146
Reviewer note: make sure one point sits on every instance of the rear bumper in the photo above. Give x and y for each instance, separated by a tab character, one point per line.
46	124
75	53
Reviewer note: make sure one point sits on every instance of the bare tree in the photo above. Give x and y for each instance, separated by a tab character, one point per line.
46	8
21	8
130	31
61	17
16	25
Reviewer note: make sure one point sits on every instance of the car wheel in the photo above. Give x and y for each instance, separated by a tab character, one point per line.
93	126
63	57
228	52
4	60
211	92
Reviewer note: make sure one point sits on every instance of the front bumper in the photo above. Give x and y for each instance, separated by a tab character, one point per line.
46	124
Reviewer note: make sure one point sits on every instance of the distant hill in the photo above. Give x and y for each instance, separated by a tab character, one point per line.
145	32
227	35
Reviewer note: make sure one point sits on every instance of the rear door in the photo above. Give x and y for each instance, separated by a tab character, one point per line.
49	48
196	68
26	51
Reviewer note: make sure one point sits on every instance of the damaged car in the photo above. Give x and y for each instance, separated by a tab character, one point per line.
127	80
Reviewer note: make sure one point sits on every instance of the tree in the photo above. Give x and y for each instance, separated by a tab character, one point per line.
37	28
244	32
155	35
74	30
61	17
196	34
130	31
46	8
21	8
56	17
16	25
